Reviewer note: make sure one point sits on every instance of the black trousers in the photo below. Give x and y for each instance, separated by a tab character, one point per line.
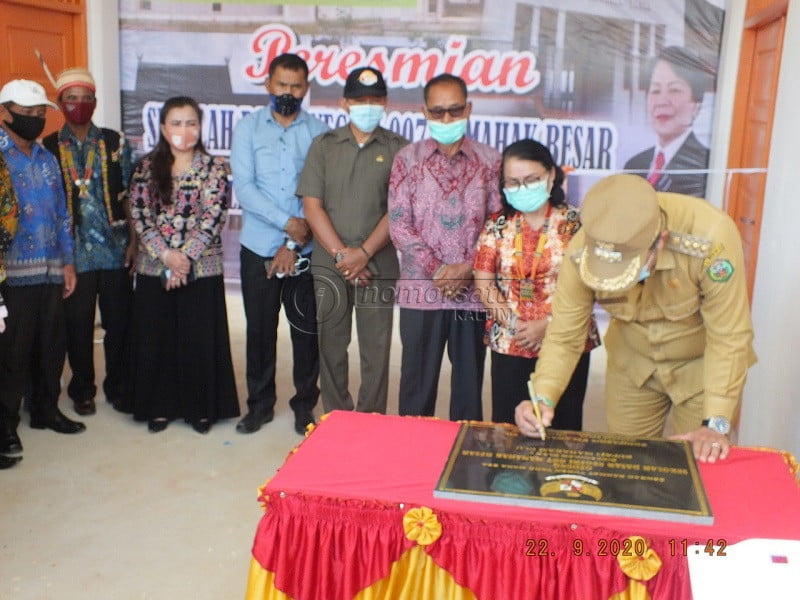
510	376
34	338
112	290
262	299
424	334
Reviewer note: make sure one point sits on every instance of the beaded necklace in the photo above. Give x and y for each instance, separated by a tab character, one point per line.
71	177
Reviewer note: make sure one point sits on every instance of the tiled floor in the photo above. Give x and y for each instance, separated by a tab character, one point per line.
119	513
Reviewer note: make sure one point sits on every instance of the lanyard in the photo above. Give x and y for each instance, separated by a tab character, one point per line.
519	258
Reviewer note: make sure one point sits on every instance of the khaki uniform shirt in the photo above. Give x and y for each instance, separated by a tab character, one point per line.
688	324
353	183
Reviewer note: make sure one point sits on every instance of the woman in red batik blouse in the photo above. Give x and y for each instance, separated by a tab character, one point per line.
519	256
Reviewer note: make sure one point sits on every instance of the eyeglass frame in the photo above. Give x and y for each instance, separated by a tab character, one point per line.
516	185
438	112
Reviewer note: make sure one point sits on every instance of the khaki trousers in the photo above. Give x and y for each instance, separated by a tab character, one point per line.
642	411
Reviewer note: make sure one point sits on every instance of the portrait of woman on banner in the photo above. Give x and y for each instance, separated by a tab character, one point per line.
678	80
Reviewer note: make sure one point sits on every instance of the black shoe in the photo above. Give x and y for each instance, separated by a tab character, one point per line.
253	421
157	425
202	426
302	419
56	422
6	462
10	444
85	407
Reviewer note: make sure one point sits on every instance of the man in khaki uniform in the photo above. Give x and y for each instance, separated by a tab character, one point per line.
344	185
669	270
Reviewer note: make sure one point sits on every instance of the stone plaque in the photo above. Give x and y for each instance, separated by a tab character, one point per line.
576	471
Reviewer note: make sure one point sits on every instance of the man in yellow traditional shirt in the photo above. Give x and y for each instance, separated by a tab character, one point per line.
669	270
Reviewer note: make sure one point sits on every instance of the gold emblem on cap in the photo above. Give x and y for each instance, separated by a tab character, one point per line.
367	77
605	252
610	284
379	158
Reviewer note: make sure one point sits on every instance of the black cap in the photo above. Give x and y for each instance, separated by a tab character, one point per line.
364	81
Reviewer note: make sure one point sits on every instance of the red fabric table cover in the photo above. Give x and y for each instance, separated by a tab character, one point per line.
333	521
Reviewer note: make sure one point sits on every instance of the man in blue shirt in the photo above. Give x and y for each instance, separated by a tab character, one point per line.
39	268
267	155
96	169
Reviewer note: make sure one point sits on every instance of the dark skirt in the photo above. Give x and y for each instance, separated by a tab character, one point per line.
510	375
181	363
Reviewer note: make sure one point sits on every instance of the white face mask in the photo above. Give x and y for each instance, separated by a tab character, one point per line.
180	142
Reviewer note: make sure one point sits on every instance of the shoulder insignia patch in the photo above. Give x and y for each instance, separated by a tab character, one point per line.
712	255
720	270
688	244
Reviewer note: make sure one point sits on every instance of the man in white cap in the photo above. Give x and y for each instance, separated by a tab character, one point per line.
669	270
39	268
96	169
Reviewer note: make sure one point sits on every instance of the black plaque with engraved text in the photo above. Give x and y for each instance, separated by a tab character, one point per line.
576	471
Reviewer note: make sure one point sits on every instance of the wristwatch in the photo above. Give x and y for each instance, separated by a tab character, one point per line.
291	244
718	424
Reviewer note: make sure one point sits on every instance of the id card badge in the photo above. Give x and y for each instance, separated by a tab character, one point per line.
526	290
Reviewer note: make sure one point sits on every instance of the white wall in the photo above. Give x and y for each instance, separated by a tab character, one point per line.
771	408
723	111
102	24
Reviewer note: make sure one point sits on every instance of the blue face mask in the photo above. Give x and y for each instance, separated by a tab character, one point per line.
366	116
527	198
644	273
448	133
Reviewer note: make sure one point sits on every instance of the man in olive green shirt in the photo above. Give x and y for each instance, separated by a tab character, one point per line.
669	270
344	185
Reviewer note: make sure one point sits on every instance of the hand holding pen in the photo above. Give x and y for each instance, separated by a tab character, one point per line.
533	415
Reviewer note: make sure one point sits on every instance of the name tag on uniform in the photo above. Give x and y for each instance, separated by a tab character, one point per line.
526	290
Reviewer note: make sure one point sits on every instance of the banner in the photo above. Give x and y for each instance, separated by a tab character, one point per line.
607	85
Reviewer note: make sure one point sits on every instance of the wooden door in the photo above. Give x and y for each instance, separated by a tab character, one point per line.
759	67
56	27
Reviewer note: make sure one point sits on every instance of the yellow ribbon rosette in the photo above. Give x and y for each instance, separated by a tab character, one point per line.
422	526
638	569
641	568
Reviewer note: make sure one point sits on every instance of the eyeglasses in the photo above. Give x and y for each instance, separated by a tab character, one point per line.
528	182
454	111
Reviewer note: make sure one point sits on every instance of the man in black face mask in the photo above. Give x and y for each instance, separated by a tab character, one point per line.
39	267
268	151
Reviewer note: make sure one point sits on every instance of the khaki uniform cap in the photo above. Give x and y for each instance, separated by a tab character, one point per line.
621	220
